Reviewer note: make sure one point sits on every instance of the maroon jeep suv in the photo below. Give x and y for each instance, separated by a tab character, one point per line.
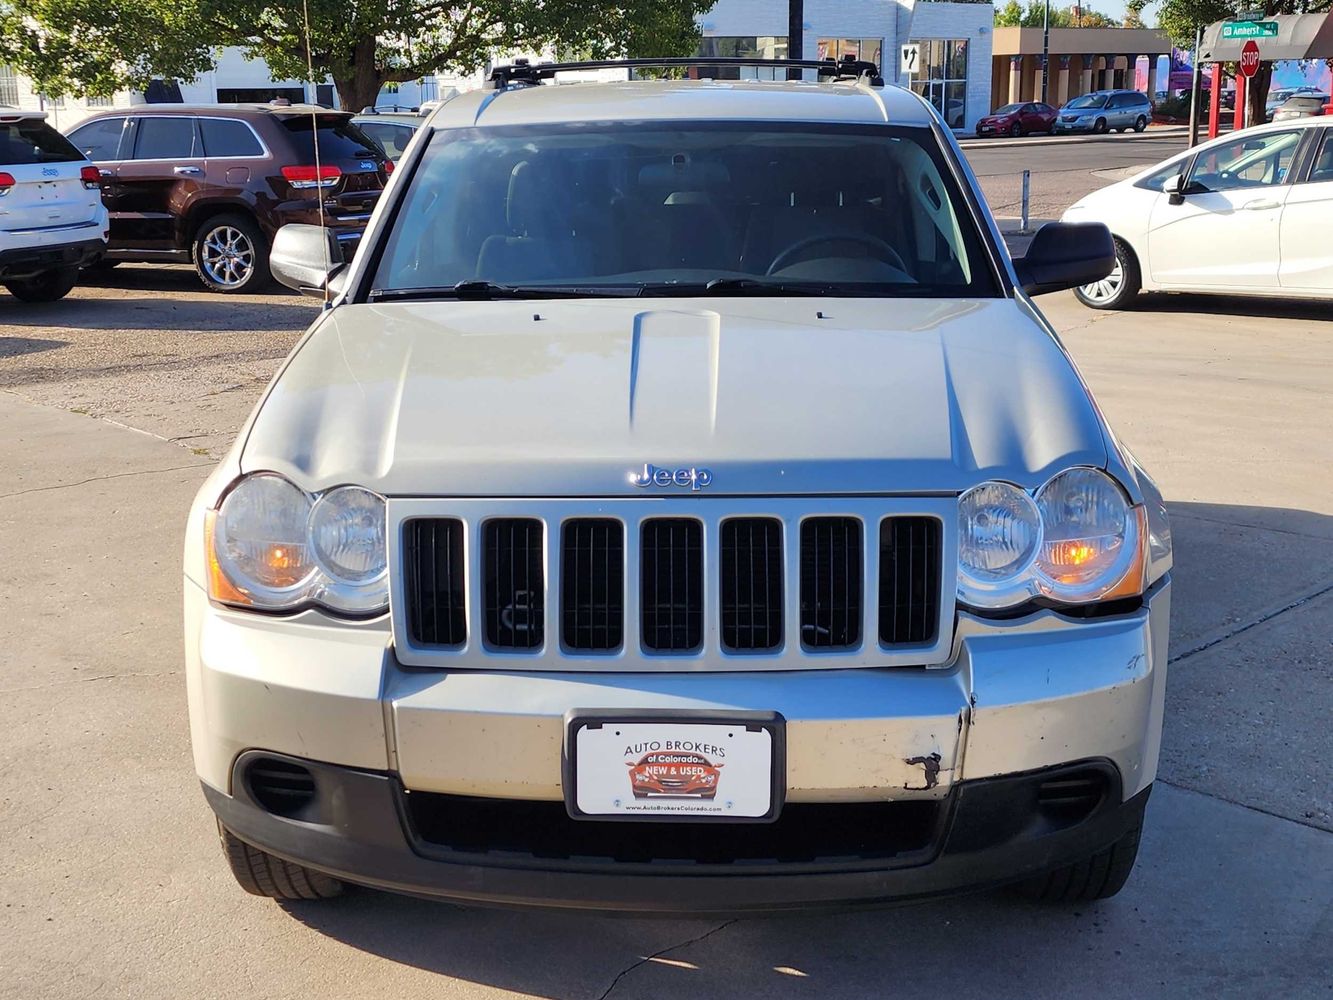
210	185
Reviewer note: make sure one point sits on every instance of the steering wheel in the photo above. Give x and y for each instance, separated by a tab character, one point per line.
886	252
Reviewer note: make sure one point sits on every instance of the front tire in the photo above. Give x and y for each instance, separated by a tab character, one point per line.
261	874
1118	289
231	255
1098	877
1140	123
1016	130
1099	127
49	286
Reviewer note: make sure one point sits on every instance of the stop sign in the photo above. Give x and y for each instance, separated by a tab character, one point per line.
1249	58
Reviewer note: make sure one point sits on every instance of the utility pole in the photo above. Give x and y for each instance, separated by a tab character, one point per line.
1046	53
1196	78
795	34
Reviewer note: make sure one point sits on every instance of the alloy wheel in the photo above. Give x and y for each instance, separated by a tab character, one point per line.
227	256
1108	288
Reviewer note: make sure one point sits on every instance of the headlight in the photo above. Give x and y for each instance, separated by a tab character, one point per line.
272	546
999	530
1080	541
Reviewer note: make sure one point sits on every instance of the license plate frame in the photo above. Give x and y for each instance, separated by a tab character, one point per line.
688	722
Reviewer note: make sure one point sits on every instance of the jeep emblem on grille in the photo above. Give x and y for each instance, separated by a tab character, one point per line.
692	479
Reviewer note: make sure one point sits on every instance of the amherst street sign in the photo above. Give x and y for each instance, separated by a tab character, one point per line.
1249	29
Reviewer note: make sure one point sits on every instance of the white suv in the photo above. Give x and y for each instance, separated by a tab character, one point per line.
52	221
681	506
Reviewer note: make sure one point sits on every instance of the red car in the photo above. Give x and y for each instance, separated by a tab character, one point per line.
674	773
1018	119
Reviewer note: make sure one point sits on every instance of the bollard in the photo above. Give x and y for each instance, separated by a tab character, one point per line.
1027	177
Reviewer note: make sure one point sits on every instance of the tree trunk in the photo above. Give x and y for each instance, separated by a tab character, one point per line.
359	81
1256	93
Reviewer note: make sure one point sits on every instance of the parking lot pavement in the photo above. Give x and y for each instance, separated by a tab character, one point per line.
150	348
113	885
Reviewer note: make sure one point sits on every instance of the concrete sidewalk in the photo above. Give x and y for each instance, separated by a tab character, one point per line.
113	885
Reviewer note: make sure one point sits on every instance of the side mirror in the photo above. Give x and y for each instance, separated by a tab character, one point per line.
1174	188
306	258
1065	255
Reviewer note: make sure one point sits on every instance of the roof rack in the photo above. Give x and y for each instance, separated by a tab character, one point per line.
521	71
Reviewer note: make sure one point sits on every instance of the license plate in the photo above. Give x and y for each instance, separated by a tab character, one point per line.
674	766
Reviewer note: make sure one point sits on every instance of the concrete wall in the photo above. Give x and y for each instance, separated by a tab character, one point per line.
971	21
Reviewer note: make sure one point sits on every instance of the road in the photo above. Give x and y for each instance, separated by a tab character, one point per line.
115	404
1063	170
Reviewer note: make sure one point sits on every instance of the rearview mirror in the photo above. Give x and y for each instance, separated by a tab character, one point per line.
306	258
1065	255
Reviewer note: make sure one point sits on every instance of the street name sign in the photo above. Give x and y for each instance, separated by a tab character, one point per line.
1249	29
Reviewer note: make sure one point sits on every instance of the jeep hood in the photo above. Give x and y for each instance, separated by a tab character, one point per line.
773	395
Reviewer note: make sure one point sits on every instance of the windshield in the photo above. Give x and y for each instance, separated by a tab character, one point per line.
1086	101
1008	109
685	208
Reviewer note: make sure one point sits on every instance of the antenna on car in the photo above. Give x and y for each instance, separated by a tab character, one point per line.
314	141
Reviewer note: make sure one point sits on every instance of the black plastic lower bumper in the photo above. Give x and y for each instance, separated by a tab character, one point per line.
27	262
359	828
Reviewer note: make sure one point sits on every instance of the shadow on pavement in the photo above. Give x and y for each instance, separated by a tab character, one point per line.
13	347
203	313
1235	305
165	278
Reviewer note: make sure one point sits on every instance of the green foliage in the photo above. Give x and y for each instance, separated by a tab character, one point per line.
1134	13
1014	15
96	48
100	46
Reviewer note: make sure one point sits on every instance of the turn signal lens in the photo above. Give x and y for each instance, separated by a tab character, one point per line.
6	182
92	180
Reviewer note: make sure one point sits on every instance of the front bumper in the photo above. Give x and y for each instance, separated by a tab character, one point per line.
1082	125
1018	698
362	830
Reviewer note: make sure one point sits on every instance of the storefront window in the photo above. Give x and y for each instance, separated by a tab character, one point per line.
743	47
942	79
867	49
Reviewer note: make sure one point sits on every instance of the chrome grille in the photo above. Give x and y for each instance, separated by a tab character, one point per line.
592	585
909	580
433	566
830	582
513	587
672	583
671	593
750	571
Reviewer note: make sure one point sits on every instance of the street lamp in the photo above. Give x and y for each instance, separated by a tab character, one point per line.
1045	53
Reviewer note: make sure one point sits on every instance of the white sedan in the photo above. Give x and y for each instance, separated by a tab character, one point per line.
1245	214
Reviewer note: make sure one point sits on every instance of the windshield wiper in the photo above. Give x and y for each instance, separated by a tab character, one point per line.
483	290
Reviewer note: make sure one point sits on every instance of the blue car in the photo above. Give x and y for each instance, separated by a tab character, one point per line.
1104	111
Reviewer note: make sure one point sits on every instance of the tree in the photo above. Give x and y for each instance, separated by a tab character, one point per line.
1134	13
73	46
1179	18
1013	15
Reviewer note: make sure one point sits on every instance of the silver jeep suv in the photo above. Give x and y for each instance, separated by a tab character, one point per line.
680	506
